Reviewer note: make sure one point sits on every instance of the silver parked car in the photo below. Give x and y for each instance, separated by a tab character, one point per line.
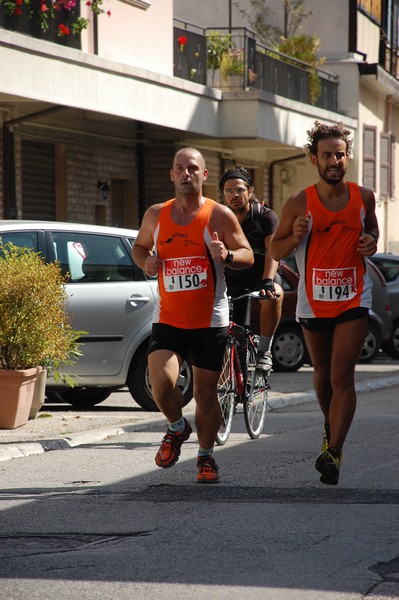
380	319
110	298
388	265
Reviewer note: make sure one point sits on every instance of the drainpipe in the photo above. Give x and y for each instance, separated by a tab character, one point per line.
141	173
9	185
387	129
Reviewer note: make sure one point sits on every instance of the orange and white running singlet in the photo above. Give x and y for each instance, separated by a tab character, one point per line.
191	286
333	274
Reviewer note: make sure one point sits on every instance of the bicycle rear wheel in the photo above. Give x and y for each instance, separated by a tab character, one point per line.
256	403
226	395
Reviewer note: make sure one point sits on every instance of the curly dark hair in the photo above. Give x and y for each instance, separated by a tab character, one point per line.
321	131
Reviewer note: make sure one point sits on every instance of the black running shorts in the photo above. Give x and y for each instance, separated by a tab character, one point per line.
205	346
322	324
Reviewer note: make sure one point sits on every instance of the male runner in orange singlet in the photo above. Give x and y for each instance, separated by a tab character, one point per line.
187	241
331	226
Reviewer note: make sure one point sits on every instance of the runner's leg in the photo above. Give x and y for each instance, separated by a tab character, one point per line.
208	414
164	367
319	345
348	341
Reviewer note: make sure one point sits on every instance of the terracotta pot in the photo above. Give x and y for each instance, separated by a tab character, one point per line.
39	393
16	395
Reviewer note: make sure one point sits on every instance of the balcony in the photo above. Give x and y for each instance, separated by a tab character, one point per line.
26	25
247	65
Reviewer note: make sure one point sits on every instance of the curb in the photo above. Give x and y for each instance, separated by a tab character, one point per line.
22	449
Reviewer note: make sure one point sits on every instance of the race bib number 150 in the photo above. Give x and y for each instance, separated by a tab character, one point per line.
185	274
334	285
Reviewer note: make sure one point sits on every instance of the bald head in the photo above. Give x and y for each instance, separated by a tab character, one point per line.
192	152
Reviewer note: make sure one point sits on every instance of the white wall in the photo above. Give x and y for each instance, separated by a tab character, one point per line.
138	37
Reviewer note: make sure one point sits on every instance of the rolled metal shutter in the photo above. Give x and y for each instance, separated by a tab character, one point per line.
38	180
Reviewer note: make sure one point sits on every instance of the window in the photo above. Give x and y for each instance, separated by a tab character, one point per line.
23	239
387	146
92	258
369	149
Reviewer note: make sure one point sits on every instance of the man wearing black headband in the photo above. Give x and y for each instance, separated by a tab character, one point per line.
258	223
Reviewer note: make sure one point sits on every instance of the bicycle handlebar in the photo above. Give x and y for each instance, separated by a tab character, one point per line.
252	296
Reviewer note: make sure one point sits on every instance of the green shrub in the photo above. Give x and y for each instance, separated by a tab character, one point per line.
34	326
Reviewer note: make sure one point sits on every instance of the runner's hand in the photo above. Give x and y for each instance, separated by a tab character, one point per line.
218	249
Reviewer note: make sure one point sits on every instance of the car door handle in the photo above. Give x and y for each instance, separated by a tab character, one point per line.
138	301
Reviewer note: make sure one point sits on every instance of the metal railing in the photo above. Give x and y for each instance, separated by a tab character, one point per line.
251	66
28	25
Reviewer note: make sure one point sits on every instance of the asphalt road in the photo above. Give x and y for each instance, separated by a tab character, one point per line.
101	521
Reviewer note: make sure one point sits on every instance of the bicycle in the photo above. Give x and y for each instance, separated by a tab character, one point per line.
240	381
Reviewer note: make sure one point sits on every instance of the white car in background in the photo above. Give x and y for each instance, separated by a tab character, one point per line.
110	298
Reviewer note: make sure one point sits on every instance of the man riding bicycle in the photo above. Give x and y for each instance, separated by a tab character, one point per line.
258	223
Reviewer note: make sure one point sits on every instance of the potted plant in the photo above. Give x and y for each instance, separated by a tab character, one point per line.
217	45
35	330
232	67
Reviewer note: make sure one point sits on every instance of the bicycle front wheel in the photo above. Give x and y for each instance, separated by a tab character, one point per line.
226	395
256	403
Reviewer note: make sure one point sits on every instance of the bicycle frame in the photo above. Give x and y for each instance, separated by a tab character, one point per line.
240	381
239	356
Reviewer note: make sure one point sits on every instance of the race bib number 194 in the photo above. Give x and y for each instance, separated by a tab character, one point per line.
185	274
334	285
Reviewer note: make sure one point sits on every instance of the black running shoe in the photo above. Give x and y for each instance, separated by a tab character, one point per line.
328	464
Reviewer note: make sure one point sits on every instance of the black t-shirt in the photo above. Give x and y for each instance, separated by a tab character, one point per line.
260	222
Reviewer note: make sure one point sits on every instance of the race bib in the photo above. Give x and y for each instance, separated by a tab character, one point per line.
185	274
334	285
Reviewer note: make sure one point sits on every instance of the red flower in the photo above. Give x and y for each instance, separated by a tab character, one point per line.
182	41
109	13
17	11
63	30
19	2
88	3
43	7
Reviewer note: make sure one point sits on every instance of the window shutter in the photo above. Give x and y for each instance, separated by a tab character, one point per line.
38	181
385	165
369	148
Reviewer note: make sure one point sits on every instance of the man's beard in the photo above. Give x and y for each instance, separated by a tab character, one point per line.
240	210
333	180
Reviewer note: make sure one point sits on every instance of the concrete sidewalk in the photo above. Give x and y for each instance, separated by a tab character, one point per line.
61	427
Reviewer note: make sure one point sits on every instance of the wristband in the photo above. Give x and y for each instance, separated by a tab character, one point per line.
373	235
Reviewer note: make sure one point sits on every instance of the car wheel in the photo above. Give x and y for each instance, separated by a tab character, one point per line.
288	349
391	346
371	345
139	385
83	397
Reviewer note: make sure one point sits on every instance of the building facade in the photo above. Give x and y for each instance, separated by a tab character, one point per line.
90	123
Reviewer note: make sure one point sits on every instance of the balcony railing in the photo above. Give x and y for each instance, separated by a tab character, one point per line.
23	23
252	66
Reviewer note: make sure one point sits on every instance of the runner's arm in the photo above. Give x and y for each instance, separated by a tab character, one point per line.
229	238
142	251
293	226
